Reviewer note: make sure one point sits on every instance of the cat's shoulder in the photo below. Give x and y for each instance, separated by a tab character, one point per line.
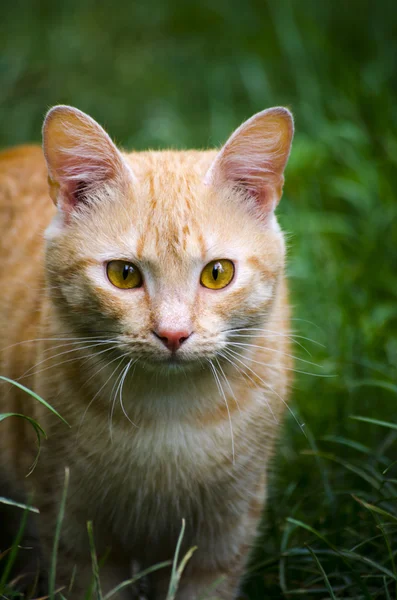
23	190
21	158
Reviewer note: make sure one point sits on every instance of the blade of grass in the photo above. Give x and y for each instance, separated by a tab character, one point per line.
177	570
375	509
18	505
368	561
177	549
387	594
94	560
357	470
374	421
323	573
389	467
57	536
174	583
386	385
13	553
35	396
129	582
339	553
38	430
282	563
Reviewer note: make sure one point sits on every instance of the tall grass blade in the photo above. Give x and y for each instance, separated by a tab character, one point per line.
35	396
323	573
130	582
58	528
374	421
94	560
177	570
13	553
18	505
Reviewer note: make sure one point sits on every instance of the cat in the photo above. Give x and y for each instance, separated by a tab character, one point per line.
148	305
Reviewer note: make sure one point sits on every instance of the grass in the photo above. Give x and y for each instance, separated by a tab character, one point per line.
185	74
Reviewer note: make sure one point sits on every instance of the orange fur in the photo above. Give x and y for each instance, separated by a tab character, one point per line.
150	442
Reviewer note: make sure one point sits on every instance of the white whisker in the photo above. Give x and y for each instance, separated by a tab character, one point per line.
275	392
120	359
244	345
63	362
79	348
222	393
290	335
251	379
121	390
228	384
113	394
55	339
270	365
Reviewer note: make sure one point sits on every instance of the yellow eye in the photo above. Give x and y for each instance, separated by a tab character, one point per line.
217	274
123	274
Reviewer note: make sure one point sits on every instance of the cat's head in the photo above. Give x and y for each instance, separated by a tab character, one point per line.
164	253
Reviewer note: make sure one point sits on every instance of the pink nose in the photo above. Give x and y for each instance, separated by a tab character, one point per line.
173	340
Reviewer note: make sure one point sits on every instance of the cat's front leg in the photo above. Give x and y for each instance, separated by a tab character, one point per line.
210	586
75	572
212	572
79	583
203	584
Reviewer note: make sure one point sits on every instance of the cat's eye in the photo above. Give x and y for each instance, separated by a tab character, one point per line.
217	274
124	275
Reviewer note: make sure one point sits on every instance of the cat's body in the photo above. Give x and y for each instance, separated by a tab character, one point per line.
158	434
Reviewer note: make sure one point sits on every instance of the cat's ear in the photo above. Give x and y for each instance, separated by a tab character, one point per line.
80	157
254	157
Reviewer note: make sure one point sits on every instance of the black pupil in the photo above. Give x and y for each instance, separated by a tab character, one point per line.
127	269
217	268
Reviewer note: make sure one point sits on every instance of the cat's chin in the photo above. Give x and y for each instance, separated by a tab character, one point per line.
172	365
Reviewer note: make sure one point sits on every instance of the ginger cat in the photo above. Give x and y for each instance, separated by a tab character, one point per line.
149	307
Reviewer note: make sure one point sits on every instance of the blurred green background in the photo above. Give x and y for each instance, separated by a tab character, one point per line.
185	74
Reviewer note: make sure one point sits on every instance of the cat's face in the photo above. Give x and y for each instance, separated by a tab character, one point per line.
164	253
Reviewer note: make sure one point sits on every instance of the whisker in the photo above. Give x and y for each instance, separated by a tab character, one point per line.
243	345
29	371
113	394
232	358
264	364
222	393
63	362
277	394
54	339
289	335
273	334
120	359
121	391
227	383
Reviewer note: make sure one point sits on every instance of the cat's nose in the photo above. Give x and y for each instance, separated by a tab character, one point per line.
173	340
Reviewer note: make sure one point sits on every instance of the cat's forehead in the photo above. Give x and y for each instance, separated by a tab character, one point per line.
175	170
172	203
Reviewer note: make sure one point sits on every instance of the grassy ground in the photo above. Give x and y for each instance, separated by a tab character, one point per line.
186	74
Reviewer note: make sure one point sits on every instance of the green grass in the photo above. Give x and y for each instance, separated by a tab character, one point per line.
185	74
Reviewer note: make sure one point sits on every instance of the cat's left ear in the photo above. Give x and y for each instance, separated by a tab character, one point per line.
80	157
254	158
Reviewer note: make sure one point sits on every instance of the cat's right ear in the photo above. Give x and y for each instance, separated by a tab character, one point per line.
80	157
254	158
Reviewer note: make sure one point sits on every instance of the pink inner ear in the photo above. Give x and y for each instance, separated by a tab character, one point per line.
80	174
259	179
254	157
80	157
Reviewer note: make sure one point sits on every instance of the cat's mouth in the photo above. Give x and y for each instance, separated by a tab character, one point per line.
173	363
